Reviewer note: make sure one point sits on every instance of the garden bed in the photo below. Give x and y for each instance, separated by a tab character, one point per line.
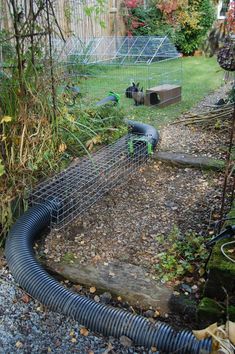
125	224
139	223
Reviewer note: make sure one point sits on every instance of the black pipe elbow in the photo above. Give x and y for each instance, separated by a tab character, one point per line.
148	131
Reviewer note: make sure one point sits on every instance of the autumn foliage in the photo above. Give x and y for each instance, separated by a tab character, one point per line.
185	21
230	18
132	22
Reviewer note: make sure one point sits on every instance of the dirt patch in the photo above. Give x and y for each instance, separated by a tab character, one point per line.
124	224
192	140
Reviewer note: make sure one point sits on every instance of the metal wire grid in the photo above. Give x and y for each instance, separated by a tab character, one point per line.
104	64
116	49
81	185
105	78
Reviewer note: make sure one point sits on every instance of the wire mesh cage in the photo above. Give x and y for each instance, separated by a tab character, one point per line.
74	190
104	64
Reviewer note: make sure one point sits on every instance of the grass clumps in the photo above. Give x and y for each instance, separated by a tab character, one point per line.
36	144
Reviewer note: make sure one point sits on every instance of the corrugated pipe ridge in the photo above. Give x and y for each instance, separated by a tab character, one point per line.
147	130
97	317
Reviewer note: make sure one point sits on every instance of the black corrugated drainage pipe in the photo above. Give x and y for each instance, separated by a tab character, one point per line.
95	316
148	131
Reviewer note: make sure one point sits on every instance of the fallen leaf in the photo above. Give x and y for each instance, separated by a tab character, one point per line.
77	287
25	298
84	332
156	314
40	308
92	289
96	259
73	340
230	328
62	147
201	271
205	333
6	119
93	141
19	344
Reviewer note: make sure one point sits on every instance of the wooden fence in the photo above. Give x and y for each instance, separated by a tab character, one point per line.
80	18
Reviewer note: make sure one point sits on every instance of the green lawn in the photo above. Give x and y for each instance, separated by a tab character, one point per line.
200	76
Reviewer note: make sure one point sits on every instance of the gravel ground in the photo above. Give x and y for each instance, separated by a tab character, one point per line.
28	327
193	140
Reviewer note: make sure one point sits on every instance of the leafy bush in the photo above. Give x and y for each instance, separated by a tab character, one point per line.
35	144
84	129
185	22
195	21
39	133
141	21
185	254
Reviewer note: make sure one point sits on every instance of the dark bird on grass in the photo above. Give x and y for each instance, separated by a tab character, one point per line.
74	92
74	89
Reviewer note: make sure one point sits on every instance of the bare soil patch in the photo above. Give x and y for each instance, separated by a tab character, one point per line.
123	226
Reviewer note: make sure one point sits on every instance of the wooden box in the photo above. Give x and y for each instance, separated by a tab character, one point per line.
163	95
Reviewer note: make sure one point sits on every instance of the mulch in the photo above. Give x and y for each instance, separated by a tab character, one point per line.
124	224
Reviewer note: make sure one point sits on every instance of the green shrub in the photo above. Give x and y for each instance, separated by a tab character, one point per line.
189	36
185	254
185	22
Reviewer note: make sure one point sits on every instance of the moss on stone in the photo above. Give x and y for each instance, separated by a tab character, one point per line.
220	282
68	258
217	260
231	312
209	309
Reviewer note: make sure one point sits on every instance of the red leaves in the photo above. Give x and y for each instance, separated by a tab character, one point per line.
137	24
230	17
25	298
132	4
132	22
168	6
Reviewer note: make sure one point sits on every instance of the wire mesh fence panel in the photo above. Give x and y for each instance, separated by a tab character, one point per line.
103	64
76	189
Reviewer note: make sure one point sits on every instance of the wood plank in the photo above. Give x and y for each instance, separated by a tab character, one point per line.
129	281
180	159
